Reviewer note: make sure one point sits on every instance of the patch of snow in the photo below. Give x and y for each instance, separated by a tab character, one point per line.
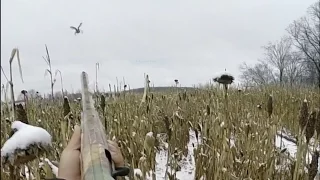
51	165
292	149
26	135
134	134
232	142
137	172
187	164
222	124
150	134
188	168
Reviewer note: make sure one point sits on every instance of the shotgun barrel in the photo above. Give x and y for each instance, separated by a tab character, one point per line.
96	161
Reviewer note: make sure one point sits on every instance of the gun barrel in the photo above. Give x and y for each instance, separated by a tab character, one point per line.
95	164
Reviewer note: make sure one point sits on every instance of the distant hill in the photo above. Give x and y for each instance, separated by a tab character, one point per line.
162	89
76	95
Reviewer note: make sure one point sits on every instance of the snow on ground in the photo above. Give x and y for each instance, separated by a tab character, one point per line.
188	168
292	149
283	143
25	136
51	165
187	164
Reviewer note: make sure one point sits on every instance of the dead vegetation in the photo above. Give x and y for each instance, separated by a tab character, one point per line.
237	137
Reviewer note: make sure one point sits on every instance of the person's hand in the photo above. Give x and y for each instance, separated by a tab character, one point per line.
69	166
116	154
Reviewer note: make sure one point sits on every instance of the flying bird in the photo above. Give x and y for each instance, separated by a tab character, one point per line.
77	30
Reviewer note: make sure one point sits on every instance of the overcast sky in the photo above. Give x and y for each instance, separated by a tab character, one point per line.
189	40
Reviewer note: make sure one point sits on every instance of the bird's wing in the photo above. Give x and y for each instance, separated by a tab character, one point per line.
79	25
73	28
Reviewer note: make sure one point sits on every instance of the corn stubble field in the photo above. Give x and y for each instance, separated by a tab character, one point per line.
236	133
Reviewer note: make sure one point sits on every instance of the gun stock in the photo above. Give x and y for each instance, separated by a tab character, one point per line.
96	161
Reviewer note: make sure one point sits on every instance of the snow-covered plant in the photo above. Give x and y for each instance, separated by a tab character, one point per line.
26	143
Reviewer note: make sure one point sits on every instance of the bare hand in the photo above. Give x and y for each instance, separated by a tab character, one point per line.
69	166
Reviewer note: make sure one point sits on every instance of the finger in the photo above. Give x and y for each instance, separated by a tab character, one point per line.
75	141
116	155
69	166
113	144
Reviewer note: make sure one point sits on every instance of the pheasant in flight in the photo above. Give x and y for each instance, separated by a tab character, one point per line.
77	30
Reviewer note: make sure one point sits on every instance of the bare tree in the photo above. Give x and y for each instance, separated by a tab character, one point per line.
277	55
259	74
294	68
306	35
311	74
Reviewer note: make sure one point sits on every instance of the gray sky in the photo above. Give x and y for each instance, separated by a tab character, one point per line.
189	40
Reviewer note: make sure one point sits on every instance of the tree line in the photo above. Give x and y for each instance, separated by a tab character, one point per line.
292	60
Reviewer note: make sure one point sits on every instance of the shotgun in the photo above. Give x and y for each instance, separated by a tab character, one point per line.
96	161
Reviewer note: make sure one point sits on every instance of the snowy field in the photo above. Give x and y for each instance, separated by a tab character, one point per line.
187	164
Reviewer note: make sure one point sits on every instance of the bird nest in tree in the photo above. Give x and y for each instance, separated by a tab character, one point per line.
224	78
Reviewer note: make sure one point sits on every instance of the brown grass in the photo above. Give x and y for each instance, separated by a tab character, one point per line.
253	156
